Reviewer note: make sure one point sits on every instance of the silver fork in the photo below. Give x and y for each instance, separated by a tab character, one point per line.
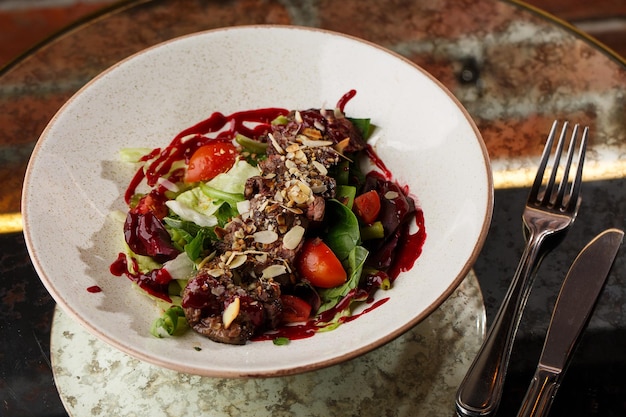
549	212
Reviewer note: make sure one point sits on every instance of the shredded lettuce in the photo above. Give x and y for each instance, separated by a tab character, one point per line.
144	263
170	323
201	204
180	268
133	154
222	196
234	180
195	206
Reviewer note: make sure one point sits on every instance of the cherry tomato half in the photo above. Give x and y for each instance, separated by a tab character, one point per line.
367	206
295	309
317	263
210	160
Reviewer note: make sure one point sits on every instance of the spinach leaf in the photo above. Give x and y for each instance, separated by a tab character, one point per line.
343	233
188	236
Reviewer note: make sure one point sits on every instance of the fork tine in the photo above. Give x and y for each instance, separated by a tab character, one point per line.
575	191
549	192
558	202
545	156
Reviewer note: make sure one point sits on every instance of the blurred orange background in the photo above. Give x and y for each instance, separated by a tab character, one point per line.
25	23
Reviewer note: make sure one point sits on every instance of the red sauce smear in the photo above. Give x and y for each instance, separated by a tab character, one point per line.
373	156
411	248
341	104
308	329
94	289
154	282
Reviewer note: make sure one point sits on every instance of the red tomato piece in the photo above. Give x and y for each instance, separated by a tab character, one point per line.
295	309
317	263
210	160
367	206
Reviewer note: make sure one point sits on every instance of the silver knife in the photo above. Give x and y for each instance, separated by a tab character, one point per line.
574	306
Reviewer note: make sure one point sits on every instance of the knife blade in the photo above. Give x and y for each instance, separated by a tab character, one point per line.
575	304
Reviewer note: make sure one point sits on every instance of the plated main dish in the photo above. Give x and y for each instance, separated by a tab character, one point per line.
266	224
77	197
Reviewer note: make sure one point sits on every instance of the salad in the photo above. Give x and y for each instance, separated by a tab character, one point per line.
263	225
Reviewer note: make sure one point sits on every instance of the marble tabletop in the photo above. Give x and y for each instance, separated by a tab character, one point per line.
514	69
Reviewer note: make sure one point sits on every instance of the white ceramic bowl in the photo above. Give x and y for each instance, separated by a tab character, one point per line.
74	180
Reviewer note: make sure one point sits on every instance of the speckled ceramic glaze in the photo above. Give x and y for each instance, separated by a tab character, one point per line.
75	181
415	375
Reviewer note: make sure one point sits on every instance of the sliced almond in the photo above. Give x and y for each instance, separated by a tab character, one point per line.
243	206
320	167
312	133
294	210
304	187
391	195
319	189
301	156
275	144
236	261
274	271
313	143
341	146
293	147
263	205
265	236
290	164
208	258
215	272
297	195
293	237
231	312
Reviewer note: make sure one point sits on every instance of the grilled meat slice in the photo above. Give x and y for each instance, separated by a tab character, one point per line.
214	288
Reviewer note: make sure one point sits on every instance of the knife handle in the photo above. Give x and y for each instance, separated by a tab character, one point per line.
541	393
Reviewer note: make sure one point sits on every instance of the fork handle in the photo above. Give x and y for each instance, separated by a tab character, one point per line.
480	392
